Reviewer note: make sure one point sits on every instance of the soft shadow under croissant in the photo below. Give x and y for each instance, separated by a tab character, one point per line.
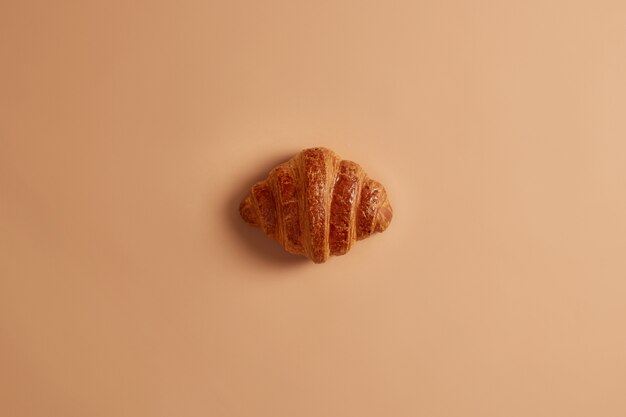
317	205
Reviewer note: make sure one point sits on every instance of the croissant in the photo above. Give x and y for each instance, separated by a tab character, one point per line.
317	205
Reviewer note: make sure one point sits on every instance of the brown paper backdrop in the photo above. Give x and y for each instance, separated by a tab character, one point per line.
129	131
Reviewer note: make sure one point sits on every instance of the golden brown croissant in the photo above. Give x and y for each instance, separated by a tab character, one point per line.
317	204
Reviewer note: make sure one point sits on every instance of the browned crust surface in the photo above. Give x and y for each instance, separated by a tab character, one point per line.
317	205
367	206
262	194
342	207
313	168
288	195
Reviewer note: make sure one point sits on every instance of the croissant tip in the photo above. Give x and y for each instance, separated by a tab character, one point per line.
247	212
384	216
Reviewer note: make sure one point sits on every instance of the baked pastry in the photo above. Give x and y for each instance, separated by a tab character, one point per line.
317	205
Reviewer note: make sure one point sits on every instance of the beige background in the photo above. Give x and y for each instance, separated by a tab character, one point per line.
130	130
